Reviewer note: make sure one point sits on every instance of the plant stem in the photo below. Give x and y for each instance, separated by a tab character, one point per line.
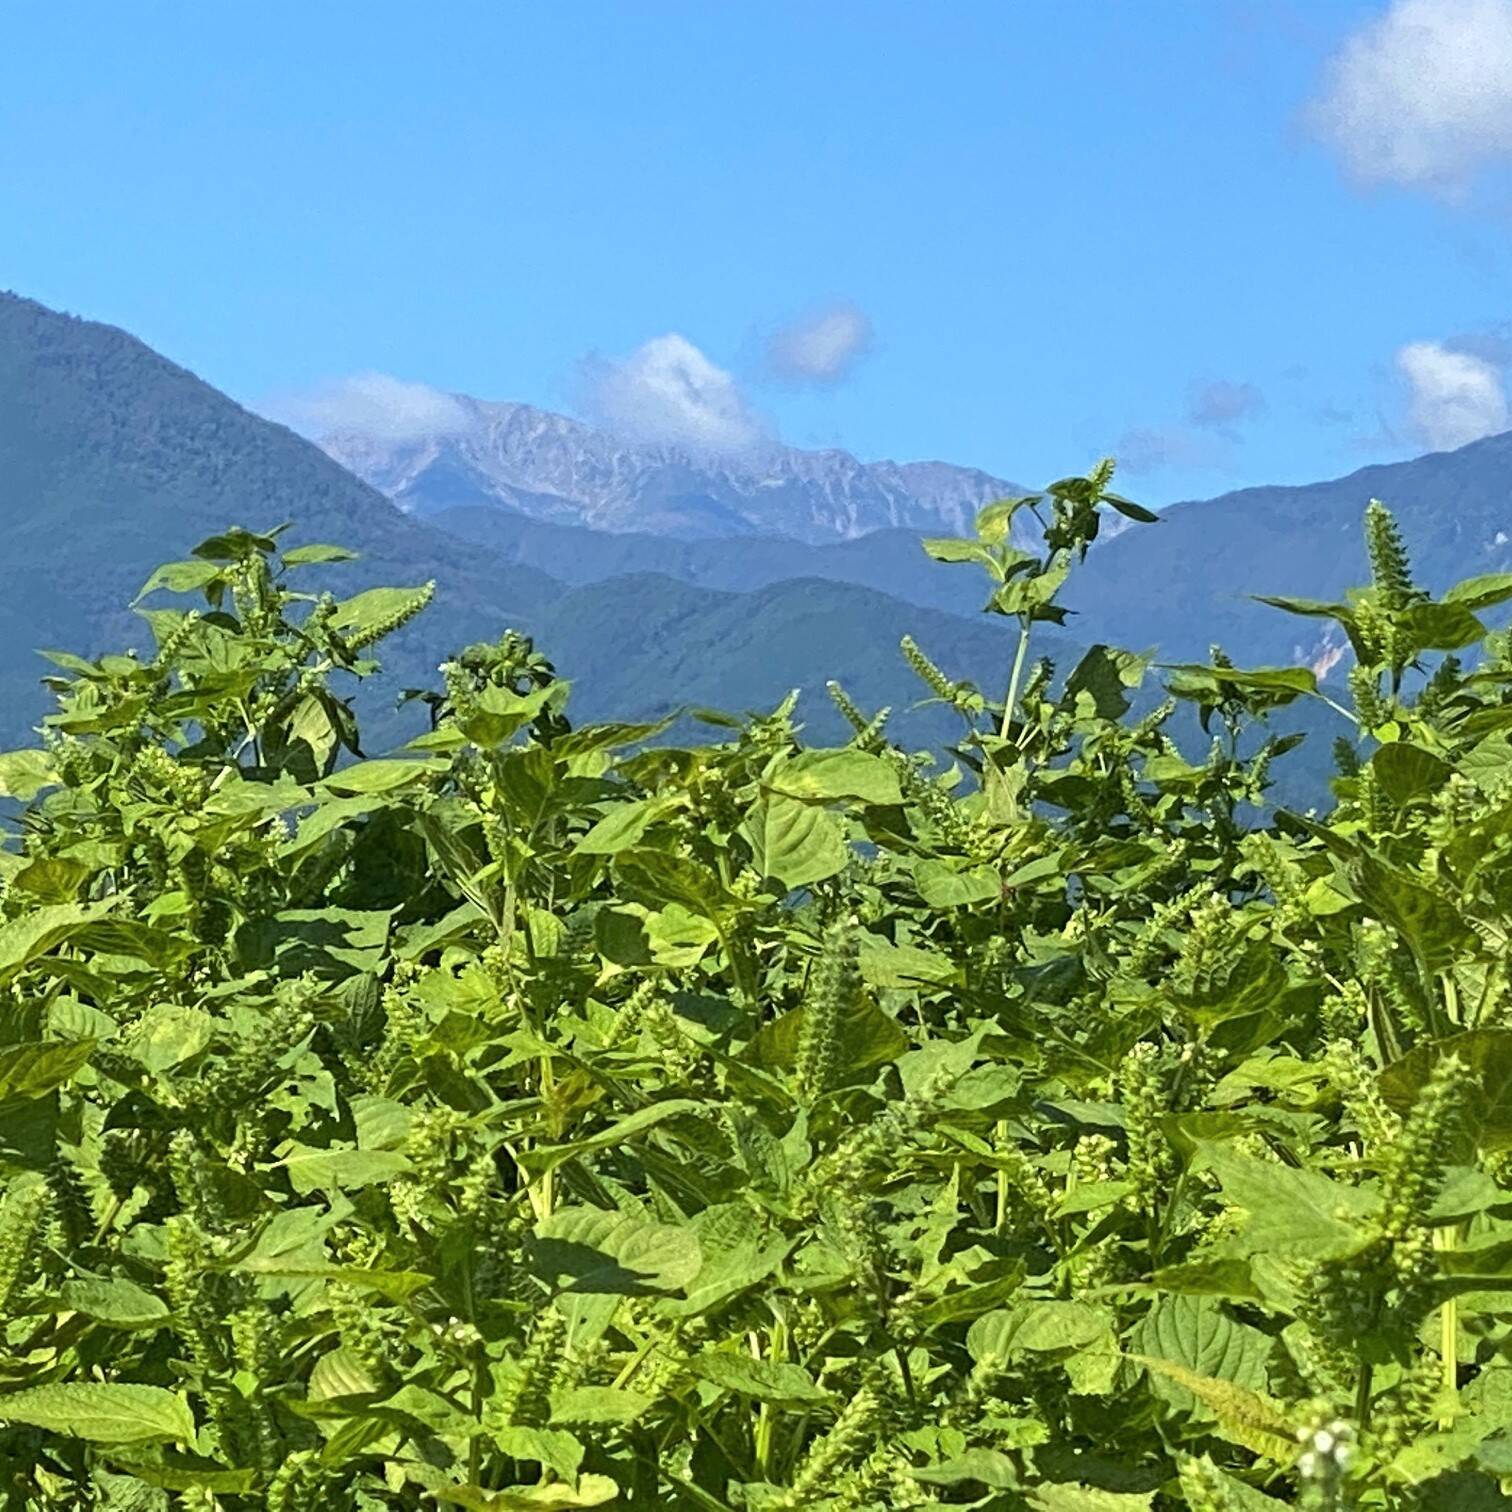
1448	1239
1013	678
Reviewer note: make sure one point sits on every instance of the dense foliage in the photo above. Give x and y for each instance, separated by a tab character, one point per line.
551	1116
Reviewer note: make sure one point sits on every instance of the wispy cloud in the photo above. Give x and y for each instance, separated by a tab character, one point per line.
1455	397
1151	448
372	404
1421	96
822	346
1221	404
669	392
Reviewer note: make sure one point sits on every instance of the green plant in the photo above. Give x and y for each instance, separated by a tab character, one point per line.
546	1115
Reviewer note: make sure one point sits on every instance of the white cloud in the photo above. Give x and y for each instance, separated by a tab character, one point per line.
822	346
1422	95
667	391
1456	397
376	405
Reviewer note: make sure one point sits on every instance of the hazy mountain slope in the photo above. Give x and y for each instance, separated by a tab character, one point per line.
1455	509
890	561
552	468
113	459
648	644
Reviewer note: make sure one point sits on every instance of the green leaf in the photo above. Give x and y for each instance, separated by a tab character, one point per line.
618	1134
625	823
1406	773
763	1380
34	934
313	1170
827	776
382	776
1487	1094
611	1406
168	1035
1291	1211
181	577
102	1413
1068	1497
117	1303
302	556
982	1467
1197	1332
591	1250
1442	627
587	1491
941	885
1243	1416
23	774
795	843
36	1068
884	964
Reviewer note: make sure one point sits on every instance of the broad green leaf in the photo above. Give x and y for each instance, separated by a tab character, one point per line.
1291	1211
181	577
1068	1497
102	1413
382	776
1243	1416
315	1170
982	1467
625	823
618	1134
24	774
117	1303
585	1406
586	1491
1487	1094
884	964
1198	1333
591	1250
301	556
942	885
795	843
34	1069
167	1035
827	776
34	934
1406	772
763	1380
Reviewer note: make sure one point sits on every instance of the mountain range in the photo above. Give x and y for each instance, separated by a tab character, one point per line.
550	468
655	578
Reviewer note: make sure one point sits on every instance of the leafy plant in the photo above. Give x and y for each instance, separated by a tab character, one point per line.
551	1116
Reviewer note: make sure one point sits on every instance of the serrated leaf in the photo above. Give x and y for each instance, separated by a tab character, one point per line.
102	1413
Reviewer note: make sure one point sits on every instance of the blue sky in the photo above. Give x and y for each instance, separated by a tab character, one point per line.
1234	241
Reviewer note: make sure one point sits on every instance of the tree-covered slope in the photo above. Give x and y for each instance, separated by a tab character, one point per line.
649	644
113	459
1209	557
889	561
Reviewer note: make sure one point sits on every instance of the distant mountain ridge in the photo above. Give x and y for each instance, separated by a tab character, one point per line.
561	471
114	459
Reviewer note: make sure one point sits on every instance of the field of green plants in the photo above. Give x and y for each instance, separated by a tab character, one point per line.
550	1116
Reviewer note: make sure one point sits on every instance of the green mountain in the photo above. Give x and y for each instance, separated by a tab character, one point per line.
1455	510
113	459
649	643
889	561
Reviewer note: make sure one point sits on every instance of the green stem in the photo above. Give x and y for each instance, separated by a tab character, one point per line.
1011	702
1448	1239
